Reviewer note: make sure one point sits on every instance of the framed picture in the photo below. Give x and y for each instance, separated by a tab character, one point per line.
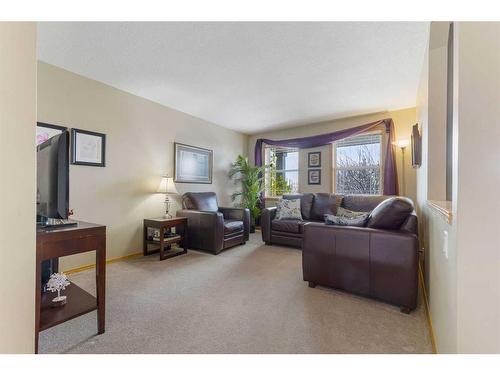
314	159
416	147
45	131
192	164
88	148
314	176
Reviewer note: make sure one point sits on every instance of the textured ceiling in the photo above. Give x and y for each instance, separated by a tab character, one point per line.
250	77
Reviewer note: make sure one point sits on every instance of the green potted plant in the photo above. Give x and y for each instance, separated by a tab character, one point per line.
250	179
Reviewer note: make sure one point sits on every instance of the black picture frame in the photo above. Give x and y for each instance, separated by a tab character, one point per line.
182	179
53	130
416	147
75	145
310	180
314	154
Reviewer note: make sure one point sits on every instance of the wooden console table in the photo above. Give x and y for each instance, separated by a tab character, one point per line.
53	243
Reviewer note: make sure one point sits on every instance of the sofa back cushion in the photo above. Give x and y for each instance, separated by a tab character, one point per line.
363	203
324	204
391	213
200	201
306	202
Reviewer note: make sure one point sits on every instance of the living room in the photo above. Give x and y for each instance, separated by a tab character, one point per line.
251	187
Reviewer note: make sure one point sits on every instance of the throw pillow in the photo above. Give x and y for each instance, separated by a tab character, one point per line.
288	209
358	221
341	211
391	213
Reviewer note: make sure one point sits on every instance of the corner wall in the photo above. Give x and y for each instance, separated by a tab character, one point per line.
140	137
462	275
17	187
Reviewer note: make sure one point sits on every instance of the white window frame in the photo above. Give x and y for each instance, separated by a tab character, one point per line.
383	143
267	177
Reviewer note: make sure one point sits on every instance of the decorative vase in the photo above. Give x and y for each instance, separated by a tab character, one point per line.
59	300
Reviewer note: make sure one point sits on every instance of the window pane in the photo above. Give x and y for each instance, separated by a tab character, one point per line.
358	165
293	180
283	176
358	181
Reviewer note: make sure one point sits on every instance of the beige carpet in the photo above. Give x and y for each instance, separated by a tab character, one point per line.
249	299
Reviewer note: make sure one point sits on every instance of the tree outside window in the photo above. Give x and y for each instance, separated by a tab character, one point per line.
358	165
282	177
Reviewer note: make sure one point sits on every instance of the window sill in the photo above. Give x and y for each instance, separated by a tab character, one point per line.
444	208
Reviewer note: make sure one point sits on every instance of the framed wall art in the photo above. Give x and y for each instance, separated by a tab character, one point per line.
314	159
46	131
192	164
88	148
314	176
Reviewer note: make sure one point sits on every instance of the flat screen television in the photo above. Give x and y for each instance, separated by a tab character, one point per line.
52	203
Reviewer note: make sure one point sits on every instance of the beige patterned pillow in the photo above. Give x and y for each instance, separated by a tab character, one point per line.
341	211
288	209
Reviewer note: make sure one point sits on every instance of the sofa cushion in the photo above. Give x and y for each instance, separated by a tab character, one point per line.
200	201
323	204
356	221
290	226
306	202
233	226
362	203
391	213
288	209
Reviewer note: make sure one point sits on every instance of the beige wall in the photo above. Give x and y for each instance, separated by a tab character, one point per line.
17	187
477	178
139	149
463	279
403	121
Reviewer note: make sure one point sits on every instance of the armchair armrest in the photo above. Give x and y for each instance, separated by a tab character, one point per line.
234	213
206	229
267	216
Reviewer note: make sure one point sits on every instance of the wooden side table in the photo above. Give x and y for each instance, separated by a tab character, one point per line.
162	244
53	243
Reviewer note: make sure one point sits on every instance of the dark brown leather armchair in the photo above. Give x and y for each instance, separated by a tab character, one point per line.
213	228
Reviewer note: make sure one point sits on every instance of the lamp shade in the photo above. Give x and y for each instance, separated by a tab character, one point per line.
402	143
167	186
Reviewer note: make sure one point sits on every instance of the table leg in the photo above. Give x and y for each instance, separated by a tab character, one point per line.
185	237
162	240
38	297
101	284
144	239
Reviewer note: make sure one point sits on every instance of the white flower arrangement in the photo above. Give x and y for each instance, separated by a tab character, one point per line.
56	283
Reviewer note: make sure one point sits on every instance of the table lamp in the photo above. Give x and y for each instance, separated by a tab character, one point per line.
167	187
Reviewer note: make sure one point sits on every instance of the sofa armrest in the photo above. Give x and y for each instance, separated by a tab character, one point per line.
234	213
205	229
267	216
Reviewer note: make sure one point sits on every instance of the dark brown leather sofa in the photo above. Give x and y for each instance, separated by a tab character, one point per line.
213	228
378	263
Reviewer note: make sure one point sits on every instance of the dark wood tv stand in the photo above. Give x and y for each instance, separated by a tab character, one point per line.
56	242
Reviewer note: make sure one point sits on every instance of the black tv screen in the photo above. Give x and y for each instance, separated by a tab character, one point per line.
53	178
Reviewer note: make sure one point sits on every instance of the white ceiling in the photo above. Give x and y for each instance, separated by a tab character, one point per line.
250	77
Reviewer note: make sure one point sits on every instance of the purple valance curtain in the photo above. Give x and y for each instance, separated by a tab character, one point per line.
390	174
